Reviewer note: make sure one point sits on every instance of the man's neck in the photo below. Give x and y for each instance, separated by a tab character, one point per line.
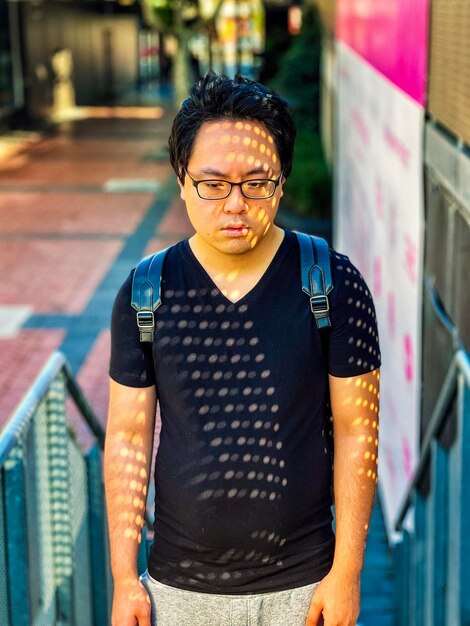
255	260
237	274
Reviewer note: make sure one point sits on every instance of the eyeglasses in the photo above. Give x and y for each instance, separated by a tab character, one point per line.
256	189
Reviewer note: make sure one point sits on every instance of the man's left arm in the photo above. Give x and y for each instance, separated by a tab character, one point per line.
354	403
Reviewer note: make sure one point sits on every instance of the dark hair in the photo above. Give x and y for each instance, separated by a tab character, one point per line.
218	97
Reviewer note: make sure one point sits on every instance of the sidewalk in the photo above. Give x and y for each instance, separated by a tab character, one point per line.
77	211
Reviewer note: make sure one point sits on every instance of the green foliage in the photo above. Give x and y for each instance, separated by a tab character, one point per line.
308	189
298	78
277	42
175	16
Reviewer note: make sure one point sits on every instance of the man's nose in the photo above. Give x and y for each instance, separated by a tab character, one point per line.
235	201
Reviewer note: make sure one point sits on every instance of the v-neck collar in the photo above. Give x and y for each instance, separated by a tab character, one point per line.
260	285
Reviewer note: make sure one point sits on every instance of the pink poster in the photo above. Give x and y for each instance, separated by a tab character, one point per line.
392	36
379	223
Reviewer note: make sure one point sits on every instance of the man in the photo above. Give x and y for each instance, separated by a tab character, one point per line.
243	525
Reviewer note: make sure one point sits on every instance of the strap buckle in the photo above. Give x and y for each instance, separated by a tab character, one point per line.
145	320
146	325
319	304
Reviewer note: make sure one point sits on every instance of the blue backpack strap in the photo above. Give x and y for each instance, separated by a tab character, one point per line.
315	269
146	292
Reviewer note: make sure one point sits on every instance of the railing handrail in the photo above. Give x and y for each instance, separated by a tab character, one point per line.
83	405
441	313
460	364
28	405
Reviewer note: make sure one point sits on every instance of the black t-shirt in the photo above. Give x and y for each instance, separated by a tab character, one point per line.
243	470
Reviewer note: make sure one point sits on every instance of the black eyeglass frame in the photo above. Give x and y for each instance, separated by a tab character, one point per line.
196	183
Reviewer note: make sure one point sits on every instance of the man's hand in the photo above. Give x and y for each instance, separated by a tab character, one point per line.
337	598
131	604
354	402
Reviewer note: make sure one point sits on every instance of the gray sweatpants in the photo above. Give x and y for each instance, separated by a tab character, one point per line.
177	607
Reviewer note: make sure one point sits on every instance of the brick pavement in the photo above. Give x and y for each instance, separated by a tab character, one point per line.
54	276
41	212
83	173
21	359
66	245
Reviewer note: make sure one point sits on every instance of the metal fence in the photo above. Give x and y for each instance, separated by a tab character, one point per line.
433	556
54	560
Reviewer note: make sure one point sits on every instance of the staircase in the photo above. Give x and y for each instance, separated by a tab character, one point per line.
378	576
433	558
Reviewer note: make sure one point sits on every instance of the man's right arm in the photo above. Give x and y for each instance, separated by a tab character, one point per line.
127	458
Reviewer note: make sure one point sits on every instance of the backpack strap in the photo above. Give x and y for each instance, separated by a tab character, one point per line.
315	270
146	292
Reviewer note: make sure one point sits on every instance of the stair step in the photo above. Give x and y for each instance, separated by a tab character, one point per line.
377	581
373	619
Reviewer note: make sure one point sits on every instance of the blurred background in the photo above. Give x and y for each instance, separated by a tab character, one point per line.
380	91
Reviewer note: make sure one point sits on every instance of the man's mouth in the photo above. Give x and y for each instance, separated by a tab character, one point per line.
236	230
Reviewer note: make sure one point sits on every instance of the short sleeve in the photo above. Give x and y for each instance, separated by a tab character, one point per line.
354	339
131	361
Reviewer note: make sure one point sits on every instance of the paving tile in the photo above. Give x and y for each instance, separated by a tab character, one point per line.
154	245
54	276
21	360
34	212
93	149
176	221
68	172
12	319
94	382
93	376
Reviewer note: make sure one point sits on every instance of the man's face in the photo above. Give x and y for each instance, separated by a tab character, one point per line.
235	152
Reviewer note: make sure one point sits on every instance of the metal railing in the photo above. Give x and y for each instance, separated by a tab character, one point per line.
433	556
53	534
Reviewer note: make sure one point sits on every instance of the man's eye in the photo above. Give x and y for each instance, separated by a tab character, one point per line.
215	185
254	184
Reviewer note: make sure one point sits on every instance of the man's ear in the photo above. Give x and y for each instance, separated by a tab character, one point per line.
181	184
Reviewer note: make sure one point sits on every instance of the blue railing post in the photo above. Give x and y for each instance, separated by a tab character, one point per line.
17	541
402	555
458	580
419	561
59	495
101	591
463	412
437	539
4	603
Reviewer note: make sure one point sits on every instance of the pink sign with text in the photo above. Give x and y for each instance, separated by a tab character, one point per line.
392	35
